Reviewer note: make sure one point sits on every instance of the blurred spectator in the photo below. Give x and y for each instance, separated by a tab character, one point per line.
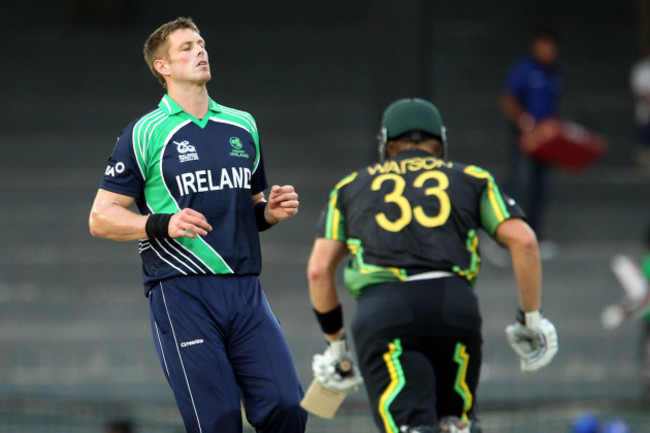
590	423
640	86
531	94
616	426
585	423
119	426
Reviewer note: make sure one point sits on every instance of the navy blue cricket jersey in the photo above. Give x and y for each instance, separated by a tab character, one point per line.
169	160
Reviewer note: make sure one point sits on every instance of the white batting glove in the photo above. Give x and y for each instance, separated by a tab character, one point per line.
534	339
335	368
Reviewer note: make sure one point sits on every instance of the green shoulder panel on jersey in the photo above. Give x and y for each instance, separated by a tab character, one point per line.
335	220
156	139
359	274
141	138
243	119
493	209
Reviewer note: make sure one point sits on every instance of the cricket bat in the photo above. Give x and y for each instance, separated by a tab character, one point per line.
637	297
320	401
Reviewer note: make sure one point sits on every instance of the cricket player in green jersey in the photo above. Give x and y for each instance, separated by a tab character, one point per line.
409	224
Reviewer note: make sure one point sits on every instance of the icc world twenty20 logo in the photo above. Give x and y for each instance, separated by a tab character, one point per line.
186	152
237	146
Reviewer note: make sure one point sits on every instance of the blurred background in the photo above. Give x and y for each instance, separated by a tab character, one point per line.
75	344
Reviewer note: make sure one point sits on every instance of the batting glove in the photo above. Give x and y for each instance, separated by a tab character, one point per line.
534	339
335	369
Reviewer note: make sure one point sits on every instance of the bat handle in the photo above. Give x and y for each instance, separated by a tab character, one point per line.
344	367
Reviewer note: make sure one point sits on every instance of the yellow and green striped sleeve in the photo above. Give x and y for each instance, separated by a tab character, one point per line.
494	209
334	217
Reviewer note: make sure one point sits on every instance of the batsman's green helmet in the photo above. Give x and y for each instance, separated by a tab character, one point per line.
410	114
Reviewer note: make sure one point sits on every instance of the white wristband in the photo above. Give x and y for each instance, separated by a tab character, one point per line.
532	318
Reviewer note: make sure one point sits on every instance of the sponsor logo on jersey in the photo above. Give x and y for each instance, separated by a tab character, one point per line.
237	146
192	342
112	170
206	180
186	152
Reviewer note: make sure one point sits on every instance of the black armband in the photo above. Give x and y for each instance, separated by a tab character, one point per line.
157	226
332	321
262	223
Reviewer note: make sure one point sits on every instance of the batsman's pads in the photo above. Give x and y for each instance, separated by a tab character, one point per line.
335	369
534	339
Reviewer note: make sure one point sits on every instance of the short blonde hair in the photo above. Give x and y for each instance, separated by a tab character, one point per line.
156	47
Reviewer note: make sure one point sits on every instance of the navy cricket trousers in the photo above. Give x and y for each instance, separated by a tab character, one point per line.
219	344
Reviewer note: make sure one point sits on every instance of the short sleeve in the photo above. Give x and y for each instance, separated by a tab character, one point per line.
123	174
495	206
331	224
258	181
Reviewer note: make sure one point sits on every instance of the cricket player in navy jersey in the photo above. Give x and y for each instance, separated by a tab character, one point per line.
194	169
410	223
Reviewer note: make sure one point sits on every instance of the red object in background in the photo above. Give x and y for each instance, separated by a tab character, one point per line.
564	144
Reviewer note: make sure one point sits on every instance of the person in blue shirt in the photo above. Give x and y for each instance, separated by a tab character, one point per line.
195	171
532	93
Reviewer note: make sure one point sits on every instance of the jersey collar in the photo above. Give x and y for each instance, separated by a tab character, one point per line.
171	108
